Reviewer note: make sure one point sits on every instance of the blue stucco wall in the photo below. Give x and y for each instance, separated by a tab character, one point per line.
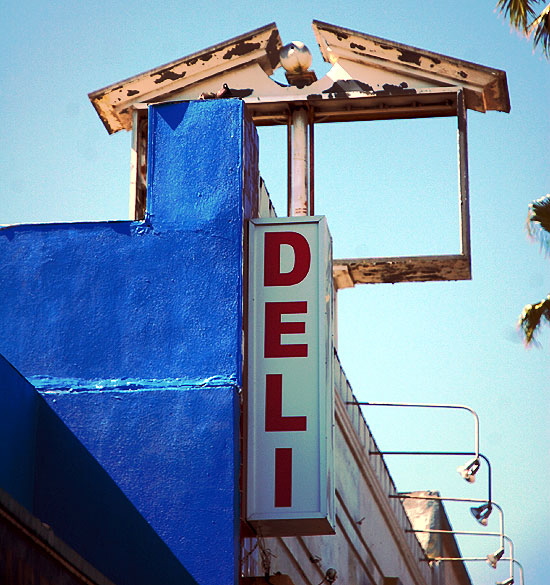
120	300
174	453
47	470
78	498
134	299
133	330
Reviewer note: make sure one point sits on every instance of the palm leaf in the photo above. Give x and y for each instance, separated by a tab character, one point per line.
519	12
524	16
532	317
540	29
538	227
538	220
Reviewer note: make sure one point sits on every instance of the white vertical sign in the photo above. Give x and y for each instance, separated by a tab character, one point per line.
290	411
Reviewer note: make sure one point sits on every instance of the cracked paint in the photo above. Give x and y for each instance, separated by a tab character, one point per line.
241	49
402	88
272	48
168	75
348	85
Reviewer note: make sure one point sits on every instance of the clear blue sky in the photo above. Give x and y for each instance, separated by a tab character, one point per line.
385	188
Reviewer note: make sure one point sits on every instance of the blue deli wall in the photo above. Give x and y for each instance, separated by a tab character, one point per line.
46	469
132	331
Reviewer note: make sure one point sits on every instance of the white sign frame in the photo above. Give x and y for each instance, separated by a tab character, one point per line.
290	396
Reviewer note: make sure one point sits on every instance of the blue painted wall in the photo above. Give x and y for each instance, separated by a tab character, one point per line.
119	299
133	331
45	468
76	496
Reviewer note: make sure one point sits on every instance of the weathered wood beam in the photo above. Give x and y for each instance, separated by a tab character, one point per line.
348	272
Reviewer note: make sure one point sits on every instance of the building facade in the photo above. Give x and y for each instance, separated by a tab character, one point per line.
124	378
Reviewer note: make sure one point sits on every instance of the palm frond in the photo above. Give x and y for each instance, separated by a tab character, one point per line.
538	221
540	29
524	16
532	317
518	12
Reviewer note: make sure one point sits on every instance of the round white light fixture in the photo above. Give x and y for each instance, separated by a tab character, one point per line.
295	57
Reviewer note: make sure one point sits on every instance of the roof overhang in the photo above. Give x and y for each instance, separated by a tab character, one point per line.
370	78
484	88
114	103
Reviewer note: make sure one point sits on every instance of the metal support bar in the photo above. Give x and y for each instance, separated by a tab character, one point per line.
470	500
463	177
472	533
299	194
462	453
520	566
470	559
502	536
311	164
427	405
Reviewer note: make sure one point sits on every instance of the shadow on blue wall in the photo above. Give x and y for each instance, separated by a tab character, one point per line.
18	422
64	486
